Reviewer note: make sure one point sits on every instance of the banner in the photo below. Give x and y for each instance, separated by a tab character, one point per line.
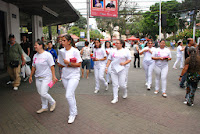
104	8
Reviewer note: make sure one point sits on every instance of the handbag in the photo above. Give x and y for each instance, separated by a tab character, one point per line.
14	64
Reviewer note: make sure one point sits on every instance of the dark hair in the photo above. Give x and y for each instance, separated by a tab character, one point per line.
40	43
99	42
49	42
86	43
135	42
193	56
69	38
162	40
179	43
188	40
109	43
148	42
11	36
122	42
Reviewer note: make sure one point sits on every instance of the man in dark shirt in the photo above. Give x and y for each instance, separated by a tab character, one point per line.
110	5
190	43
25	45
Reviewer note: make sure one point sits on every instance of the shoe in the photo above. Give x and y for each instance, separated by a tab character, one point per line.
156	92
9	82
125	95
15	88
164	95
96	91
114	101
26	78
148	87
182	86
53	107
107	87
146	84
174	68
185	102
71	119
41	111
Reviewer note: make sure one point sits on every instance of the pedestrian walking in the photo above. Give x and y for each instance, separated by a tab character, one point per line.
85	52
192	70
108	48
43	68
15	59
52	51
99	66
148	63
118	59
136	54
70	62
161	56
179	55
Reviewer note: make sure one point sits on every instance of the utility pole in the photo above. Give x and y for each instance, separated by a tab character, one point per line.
160	22
88	13
194	26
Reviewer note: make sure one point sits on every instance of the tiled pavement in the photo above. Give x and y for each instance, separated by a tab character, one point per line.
141	113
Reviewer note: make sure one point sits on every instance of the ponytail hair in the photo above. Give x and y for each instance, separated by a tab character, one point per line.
69	38
193	56
40	43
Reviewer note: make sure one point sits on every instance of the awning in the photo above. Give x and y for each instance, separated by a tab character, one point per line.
53	12
133	38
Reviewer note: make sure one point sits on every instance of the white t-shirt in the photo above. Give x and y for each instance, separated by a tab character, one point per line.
179	52
109	50
86	53
117	57
99	53
165	52
129	55
71	72
43	62
147	54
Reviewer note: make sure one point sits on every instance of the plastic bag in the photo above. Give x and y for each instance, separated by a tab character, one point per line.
23	71
26	57
27	70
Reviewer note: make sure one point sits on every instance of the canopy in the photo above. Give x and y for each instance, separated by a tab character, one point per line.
147	39
133	38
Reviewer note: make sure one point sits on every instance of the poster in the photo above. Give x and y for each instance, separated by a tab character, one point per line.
104	8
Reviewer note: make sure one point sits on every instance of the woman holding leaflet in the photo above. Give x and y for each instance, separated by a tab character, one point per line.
179	55
118	59
108	51
43	67
99	66
70	73
148	63
161	56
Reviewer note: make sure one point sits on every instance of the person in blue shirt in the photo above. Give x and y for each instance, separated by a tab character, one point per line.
52	51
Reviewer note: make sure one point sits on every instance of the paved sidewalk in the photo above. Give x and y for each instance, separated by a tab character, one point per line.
141	113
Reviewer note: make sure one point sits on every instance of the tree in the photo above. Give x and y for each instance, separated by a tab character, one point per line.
81	23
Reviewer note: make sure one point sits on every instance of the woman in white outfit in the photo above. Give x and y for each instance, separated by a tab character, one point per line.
118	59
43	67
108	51
161	56
148	63
70	64
179	55
99	66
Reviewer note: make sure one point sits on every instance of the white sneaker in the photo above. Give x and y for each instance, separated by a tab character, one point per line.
146	84
26	78
125	95
148	87
185	102
164	95
174	68
156	92
106	87
71	119
9	82
114	101
96	91
15	88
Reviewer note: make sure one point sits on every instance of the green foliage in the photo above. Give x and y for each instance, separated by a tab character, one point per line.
81	23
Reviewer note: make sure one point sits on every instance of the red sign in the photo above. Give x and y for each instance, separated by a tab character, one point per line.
104	8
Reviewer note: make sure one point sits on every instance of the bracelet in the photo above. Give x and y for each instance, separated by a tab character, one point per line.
70	64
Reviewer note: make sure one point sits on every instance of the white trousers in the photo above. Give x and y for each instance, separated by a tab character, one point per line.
118	79
43	88
161	73
126	79
70	86
108	74
99	76
177	60
148	67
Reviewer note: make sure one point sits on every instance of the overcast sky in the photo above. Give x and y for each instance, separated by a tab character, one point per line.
81	6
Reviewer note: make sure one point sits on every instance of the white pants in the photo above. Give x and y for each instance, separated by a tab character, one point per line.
108	74
70	86
99	76
148	67
126	79
161	73
118	79
43	88
177	60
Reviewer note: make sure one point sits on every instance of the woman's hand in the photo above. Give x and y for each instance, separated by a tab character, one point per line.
106	70
54	79
30	79
66	61
161	58
122	64
180	78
